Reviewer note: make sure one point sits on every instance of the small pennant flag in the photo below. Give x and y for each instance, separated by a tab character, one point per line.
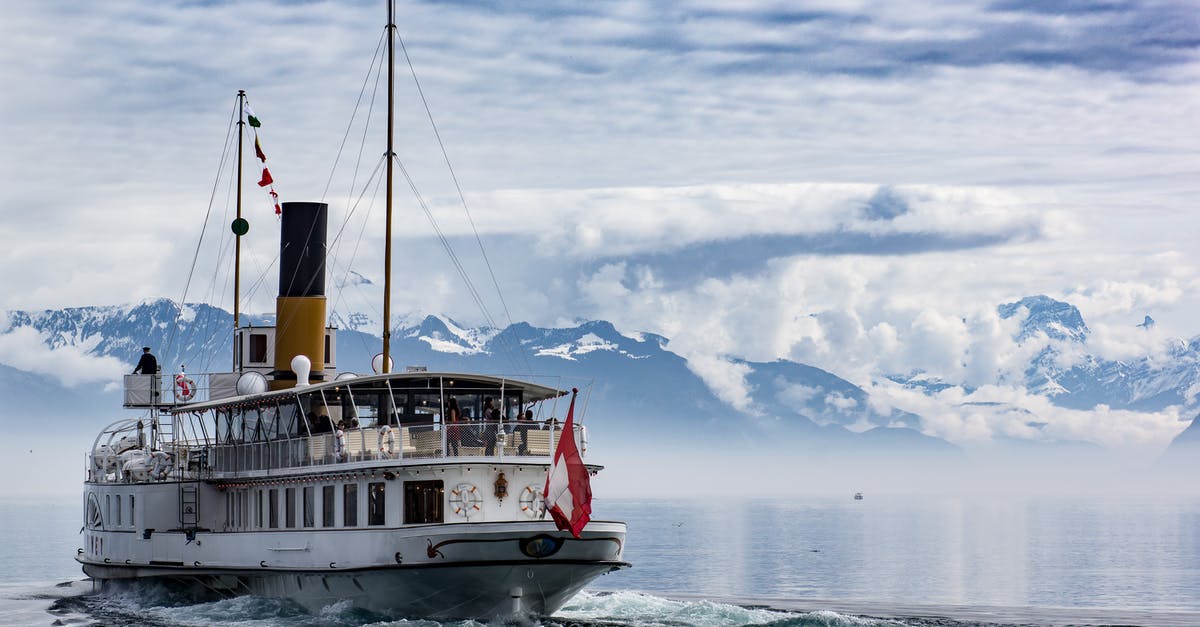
275	198
258	149
250	116
266	178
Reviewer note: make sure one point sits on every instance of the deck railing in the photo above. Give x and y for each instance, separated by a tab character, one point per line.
469	440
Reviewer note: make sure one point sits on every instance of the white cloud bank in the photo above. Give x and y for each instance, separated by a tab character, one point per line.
24	348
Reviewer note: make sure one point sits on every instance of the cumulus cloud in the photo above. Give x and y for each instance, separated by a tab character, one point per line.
24	348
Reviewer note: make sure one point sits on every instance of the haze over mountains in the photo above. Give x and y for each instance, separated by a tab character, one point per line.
68	363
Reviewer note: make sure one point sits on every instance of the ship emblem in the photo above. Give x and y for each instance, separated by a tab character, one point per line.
541	546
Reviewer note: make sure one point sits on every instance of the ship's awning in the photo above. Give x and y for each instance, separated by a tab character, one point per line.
532	392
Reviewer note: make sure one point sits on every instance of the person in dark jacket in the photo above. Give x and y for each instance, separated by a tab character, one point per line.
148	364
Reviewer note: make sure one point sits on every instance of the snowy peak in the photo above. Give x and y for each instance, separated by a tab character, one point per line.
444	335
593	337
1056	319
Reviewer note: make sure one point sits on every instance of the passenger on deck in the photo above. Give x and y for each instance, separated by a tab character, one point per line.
491	423
524	424
148	364
453	429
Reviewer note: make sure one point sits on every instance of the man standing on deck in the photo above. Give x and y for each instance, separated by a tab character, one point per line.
148	364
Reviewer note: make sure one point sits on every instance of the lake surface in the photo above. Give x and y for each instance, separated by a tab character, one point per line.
918	561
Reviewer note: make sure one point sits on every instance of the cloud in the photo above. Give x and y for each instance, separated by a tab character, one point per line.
24	348
993	411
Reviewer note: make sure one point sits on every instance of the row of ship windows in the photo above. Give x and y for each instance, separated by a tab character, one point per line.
113	511
338	504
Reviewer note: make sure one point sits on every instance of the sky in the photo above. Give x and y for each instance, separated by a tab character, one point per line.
854	185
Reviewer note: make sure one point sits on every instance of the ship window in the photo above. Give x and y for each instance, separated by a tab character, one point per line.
309	505
258	348
289	501
131	518
422	502
376	512
350	505
118	521
258	519
327	506
326	348
273	508
108	507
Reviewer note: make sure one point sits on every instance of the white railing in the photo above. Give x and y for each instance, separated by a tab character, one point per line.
199	460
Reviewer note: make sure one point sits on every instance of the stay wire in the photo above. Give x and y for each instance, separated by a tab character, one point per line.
358	242
337	242
462	197
203	229
458	264
350	124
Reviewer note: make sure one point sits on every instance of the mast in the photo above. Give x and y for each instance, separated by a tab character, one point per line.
387	245
237	247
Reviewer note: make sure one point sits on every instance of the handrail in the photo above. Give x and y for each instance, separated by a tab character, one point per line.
191	460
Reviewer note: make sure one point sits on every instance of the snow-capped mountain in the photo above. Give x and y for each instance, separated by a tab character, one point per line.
1147	383
635	384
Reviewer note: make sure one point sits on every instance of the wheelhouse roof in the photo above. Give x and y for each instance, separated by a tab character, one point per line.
533	392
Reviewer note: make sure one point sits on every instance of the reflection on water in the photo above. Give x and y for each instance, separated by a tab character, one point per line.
1087	553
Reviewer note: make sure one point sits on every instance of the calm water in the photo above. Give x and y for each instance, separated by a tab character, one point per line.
974	560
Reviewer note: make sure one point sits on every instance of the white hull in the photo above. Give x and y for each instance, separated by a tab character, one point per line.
464	570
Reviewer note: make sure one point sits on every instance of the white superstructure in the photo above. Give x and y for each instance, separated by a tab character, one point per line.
401	512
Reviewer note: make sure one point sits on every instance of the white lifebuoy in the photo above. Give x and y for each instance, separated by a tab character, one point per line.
185	388
387	434
465	500
531	502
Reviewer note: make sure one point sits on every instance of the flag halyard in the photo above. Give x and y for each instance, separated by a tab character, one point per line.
568	491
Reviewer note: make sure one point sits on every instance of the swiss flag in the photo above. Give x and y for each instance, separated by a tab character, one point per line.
568	492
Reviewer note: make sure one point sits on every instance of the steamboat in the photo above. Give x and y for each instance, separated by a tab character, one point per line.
413	493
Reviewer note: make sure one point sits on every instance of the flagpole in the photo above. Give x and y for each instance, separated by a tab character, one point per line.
387	234
237	247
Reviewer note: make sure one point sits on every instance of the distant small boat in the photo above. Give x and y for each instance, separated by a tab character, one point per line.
858	496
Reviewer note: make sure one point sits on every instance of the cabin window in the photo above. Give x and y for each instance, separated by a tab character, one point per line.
326	349
258	348
327	506
118	520
132	520
108	507
309	506
423	502
273	508
258	500
350	505
290	502
376	511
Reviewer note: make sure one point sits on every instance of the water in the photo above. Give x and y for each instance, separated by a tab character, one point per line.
820	562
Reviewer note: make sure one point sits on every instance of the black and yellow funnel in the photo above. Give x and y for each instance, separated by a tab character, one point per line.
300	307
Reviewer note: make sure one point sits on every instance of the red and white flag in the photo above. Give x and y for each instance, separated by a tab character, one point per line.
568	492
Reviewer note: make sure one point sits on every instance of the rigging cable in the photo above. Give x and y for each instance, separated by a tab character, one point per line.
462	198
203	228
458	265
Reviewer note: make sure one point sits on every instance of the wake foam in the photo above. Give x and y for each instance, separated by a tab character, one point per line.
151	604
643	610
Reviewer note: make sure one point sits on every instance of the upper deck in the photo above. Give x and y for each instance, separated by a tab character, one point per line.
397	418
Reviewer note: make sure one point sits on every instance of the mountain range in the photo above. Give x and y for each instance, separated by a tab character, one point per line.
634	383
